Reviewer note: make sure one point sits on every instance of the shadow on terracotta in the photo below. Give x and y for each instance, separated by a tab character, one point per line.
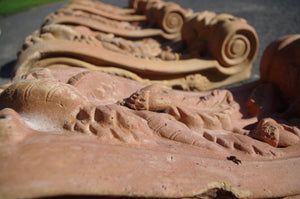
213	49
73	131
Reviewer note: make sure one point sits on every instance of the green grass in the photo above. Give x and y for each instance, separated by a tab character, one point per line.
13	6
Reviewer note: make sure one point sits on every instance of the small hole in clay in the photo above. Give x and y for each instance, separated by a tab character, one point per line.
98	115
78	128
238	146
82	115
208	136
177	87
67	126
221	142
256	150
93	130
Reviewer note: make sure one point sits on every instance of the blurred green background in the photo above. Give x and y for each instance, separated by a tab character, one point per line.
13	6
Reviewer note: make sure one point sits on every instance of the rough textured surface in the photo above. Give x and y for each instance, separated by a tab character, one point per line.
67	131
264	16
171	46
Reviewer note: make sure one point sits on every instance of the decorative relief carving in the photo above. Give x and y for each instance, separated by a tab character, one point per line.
214	50
183	113
164	19
71	124
114	126
210	119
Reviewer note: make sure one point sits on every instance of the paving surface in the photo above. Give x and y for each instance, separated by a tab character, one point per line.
270	18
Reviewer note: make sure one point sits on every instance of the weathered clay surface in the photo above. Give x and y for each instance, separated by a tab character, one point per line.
106	10
158	18
73	131
182	49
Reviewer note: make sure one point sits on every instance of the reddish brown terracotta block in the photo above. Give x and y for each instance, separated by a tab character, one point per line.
74	131
181	49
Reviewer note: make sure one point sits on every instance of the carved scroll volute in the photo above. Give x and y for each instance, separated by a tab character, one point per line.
132	3
153	11
170	17
195	32
233	43
173	18
141	6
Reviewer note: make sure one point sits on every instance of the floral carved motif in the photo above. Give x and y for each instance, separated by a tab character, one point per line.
116	128
96	107
172	46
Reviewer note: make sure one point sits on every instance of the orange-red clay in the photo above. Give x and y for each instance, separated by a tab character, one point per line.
74	131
